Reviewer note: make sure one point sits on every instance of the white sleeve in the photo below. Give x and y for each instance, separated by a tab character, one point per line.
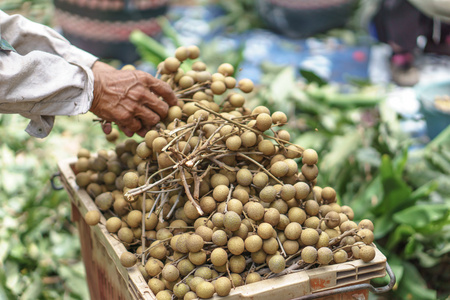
46	77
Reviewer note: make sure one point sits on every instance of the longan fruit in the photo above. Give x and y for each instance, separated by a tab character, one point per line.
92	217
253	243
197	258
219	257
270	246
226	69
310	172
365	235
279	118
266	147
246	85
332	219
181	53
309	254
256	211
268	194
171	64
128	259
156	285
367	253
236	245
186	82
366	224
324	255
218	87
233	143
126	235
293	231
194	52
195	243
185	266
263	121
277	263
232	221
220	193
244	177
324	240
170	273
181	289
348	225
260	179
265	231
296	214
311	207
279	169
252	277
310	157
249	139
340	256
272	216
237	263
287	192
223	286
237	100
134	218
309	237
113	224
302	190
219	238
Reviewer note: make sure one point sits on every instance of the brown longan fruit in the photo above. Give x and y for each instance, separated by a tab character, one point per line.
266	147
244	177
205	290
128	259
113	224
219	238
237	263
186	81
156	285
170	273
218	87
265	231
197	258
249	139
164	295
279	169
348	225
219	257
252	277
223	286
260	179
235	205
324	240
194	282
219	179
92	217
83	179
312	222
340	256
158	144
232	221
181	289
230	83
255	211
263	121
366	224
272	216
126	235
226	69
237	100
181	53
270	246
367	253
312	207
253	243
296	214
310	172
277	263
328	194
194	51
134	218
365	235
195	243
217	219
309	237
324	255
290	247
233	143
293	231
309	254
171	64
153	267
236	245
302	190
332	219
185	266
220	193
310	157
246	85
279	118
268	194
348	211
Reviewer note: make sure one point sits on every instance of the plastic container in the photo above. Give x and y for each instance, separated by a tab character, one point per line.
303	18
435	119
109	280
103	27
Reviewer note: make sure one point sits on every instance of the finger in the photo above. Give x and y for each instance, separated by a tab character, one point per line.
131	125
152	102
106	127
160	88
147	117
126	131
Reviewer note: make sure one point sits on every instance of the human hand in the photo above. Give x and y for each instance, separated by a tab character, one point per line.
129	98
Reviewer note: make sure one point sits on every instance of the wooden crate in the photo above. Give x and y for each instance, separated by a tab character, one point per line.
109	280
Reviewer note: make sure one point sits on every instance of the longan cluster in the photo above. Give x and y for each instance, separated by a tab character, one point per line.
217	196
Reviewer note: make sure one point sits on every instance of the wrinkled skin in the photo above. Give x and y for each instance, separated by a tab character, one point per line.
129	98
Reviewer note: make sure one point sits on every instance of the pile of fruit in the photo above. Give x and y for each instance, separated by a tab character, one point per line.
217	196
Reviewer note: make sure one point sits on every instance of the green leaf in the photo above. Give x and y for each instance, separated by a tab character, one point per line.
425	190
383	225
312	77
413	286
400	234
282	85
421	215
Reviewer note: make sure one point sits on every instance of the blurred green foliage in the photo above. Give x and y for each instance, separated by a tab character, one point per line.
39	245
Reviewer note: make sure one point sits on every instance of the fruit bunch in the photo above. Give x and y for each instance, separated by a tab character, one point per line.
217	196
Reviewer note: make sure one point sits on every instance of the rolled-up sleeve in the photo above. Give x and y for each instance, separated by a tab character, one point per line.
46	77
